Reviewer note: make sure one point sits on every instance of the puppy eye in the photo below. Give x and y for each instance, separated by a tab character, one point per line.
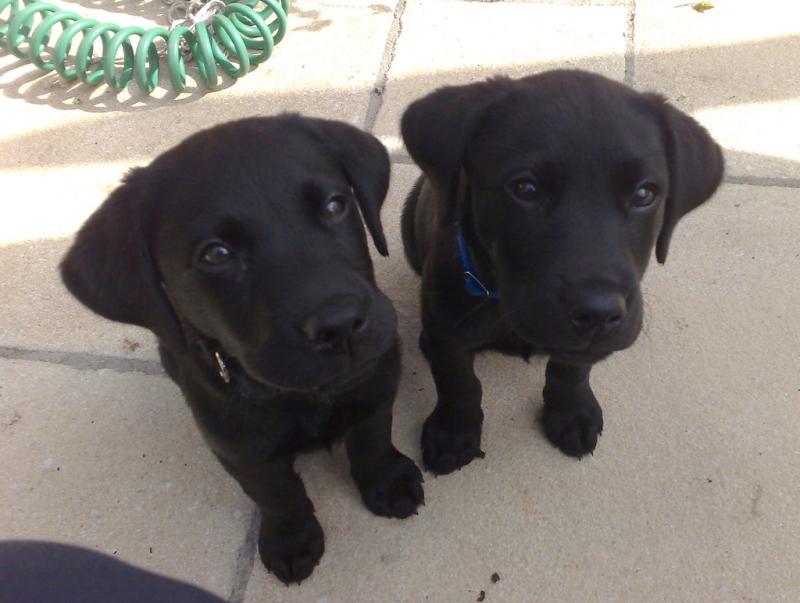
645	195
335	206
524	189
215	254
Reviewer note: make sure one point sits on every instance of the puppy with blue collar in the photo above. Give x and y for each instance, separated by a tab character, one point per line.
532	226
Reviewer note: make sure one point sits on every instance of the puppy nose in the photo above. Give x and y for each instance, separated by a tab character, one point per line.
334	327
595	313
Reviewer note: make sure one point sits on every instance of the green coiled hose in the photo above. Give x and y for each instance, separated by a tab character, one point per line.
232	34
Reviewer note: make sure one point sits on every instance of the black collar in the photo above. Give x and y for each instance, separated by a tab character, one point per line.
223	372
212	358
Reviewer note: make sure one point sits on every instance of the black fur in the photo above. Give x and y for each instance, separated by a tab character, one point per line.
407	227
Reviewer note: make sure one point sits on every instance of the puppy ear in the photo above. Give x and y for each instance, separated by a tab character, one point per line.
437	129
695	165
109	267
366	164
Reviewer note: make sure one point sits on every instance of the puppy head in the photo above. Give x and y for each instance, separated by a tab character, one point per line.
566	180
249	233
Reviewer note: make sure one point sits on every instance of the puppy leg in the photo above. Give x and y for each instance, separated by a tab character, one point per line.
572	418
390	482
451	437
290	540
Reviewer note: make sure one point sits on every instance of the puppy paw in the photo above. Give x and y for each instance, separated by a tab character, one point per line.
573	429
446	448
291	547
392	488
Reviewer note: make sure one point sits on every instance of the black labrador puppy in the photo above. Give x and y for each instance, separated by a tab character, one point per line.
242	249
532	227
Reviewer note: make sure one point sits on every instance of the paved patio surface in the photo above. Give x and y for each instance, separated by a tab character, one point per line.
692	494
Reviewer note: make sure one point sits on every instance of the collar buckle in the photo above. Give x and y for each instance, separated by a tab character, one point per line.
222	369
475	287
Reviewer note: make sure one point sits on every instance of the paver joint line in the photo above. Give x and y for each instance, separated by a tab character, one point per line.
766	181
83	361
245	560
630	45
376	94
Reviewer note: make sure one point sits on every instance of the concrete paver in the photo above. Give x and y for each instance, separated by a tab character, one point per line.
113	462
40	314
456	42
47	205
730	67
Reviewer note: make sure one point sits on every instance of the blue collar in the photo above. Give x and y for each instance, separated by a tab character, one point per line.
472	283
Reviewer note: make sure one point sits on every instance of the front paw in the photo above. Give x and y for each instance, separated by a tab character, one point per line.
573	427
290	547
447	447
391	488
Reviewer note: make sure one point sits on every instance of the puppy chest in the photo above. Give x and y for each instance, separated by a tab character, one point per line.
321	424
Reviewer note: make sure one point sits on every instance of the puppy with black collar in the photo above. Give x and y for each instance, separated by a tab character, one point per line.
243	250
